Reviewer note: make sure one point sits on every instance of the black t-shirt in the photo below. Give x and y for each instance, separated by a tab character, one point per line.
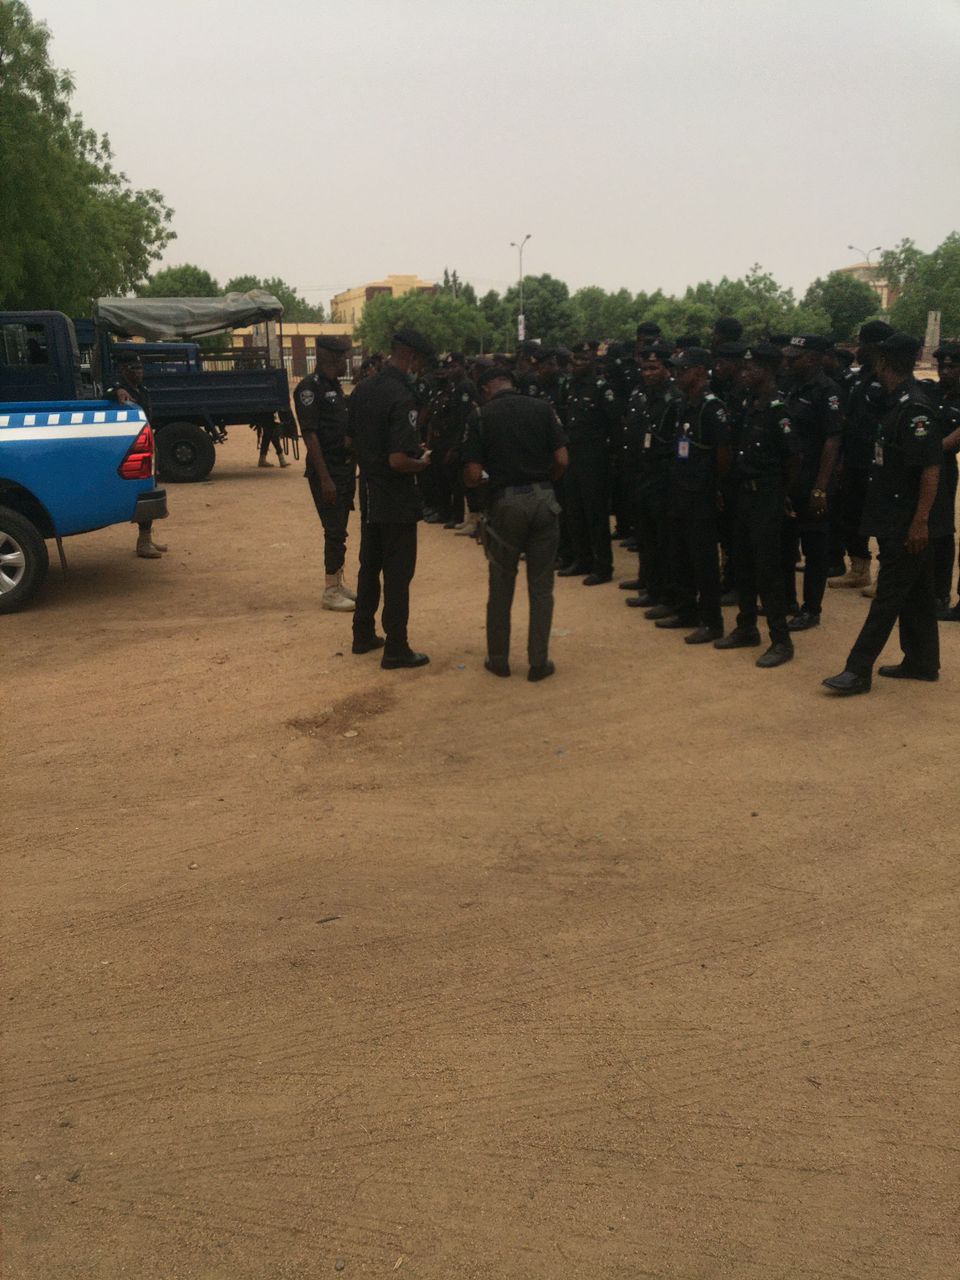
322	408
592	412
382	419
701	431
767	442
514	438
814	409
907	441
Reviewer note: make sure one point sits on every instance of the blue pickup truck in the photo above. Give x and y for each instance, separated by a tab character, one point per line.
70	462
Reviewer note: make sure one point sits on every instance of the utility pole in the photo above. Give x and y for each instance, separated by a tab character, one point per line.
521	319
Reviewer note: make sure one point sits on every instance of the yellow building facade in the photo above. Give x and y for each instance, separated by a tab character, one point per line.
347	307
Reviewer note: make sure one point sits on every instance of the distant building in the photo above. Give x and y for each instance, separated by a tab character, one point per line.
347	307
871	273
299	351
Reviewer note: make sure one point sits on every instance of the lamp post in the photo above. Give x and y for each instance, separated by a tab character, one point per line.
866	252
521	321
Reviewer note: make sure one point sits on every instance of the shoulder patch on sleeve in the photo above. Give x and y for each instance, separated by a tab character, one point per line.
921	427
412	417
833	402
306	397
785	426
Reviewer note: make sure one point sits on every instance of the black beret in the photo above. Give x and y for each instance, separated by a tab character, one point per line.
844	356
728	327
809	342
692	358
688	340
947	351
416	341
875	331
330	342
494	373
648	330
900	344
659	350
765	353
731	350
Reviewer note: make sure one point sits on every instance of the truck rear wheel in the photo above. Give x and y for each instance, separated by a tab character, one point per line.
23	560
185	453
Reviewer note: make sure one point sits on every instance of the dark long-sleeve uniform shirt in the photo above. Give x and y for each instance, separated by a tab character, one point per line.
383	419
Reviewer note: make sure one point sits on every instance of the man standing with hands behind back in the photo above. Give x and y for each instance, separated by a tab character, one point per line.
519	442
322	413
383	425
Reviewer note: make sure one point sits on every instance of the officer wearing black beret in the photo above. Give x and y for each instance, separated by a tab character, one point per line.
518	441
766	466
593	413
813	404
900	513
865	399
383	422
947	357
321	409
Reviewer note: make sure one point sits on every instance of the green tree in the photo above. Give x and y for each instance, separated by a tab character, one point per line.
846	300
295	307
450	323
546	305
925	282
73	228
185	281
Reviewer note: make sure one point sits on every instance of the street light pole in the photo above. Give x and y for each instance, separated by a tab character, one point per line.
866	252
521	320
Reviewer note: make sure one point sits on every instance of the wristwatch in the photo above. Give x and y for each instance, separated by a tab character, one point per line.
819	493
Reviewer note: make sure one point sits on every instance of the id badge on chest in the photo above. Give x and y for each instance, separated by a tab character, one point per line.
683	448
648	440
878	455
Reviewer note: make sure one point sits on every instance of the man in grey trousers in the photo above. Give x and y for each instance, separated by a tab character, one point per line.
517	444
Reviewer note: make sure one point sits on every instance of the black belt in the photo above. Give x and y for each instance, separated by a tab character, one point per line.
525	488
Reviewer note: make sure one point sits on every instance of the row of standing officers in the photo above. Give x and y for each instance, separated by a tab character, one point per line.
754	449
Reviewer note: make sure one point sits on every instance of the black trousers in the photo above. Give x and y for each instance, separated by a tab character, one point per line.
588	492
851	496
945	547
756	549
726	524
814	539
696	571
653	540
387	550
334	517
904	595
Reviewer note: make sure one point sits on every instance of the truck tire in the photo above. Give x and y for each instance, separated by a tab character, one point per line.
185	453
23	560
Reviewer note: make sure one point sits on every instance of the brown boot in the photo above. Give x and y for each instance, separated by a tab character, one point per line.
332	598
858	575
344	589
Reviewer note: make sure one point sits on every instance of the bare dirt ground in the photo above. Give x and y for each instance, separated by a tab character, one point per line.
649	970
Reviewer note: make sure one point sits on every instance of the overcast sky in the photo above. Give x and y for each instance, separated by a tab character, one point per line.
640	142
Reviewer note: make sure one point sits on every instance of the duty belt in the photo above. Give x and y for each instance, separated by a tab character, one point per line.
525	488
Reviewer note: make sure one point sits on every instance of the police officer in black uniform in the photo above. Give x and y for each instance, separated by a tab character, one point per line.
813	403
592	414
766	466
900	513
321	409
700	459
865	399
129	388
727	385
947	357
652	432
517	439
383	423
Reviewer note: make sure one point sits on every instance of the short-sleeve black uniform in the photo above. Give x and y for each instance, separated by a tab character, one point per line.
814	409
907	441
768	442
701	431
322	408
514	437
383	419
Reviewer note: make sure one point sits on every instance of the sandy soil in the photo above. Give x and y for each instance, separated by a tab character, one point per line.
649	970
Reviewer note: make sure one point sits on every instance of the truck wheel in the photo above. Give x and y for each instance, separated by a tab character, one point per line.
185	453
23	560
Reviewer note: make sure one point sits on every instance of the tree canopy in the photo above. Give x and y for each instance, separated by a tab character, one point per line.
924	282
73	227
846	300
295	307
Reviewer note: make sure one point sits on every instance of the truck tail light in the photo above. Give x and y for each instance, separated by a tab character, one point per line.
138	463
